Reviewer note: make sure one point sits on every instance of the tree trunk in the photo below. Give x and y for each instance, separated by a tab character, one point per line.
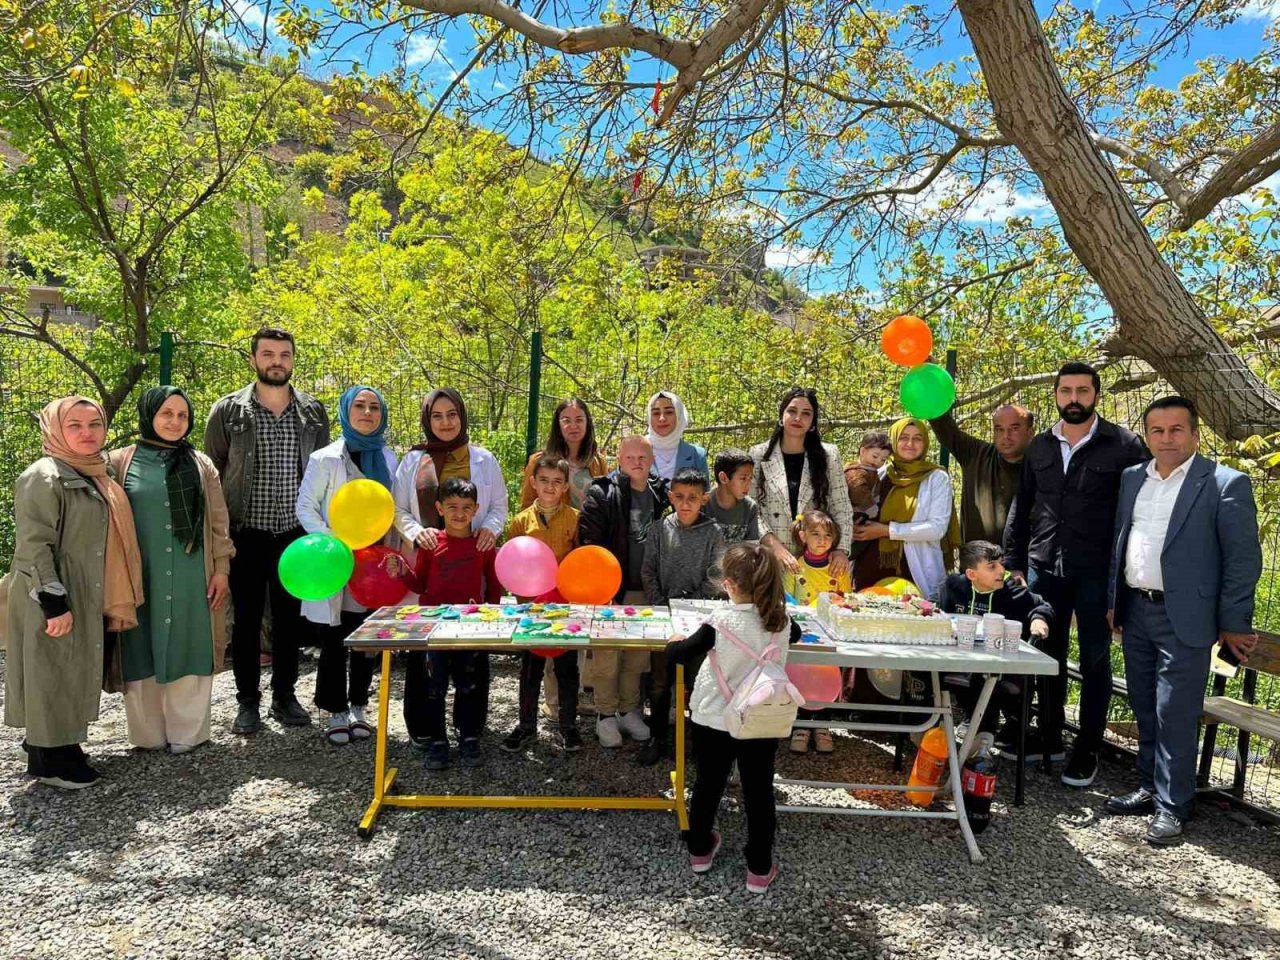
1158	319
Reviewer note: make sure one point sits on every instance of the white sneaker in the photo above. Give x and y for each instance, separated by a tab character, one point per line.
361	728
338	730
633	725
607	732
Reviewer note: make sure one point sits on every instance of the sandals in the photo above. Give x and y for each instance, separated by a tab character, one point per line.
338	730
800	740
361	729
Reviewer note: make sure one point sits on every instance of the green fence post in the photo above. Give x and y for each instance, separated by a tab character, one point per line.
951	369
166	359
535	388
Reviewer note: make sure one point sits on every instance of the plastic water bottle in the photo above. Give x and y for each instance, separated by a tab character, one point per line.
978	780
931	758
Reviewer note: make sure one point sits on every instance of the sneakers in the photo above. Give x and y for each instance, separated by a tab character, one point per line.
567	739
469	752
703	863
800	738
420	743
607	732
1006	744
338	729
651	752
823	742
361	728
290	712
248	720
1035	749
1081	770
759	883
63	771
518	739
633	725
437	755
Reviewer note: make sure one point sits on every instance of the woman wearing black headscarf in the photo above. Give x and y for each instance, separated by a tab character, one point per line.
168	660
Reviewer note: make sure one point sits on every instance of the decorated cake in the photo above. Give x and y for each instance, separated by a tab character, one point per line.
875	618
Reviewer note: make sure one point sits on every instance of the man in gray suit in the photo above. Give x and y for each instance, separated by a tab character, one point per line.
1184	566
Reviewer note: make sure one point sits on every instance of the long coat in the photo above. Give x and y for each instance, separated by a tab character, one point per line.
53	684
218	551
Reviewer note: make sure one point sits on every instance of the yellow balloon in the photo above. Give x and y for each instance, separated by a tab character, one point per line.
361	512
898	586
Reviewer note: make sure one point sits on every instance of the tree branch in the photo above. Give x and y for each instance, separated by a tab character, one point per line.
1247	168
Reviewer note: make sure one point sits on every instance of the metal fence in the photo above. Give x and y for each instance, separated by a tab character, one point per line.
731	395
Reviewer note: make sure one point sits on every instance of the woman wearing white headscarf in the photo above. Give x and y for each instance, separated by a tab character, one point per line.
668	421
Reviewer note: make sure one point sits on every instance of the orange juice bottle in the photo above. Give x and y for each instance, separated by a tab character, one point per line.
931	758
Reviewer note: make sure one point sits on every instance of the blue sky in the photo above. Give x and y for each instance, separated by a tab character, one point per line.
435	61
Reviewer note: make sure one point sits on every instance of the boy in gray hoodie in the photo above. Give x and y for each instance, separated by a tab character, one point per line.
681	560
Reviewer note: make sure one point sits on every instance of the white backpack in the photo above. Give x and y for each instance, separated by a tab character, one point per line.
764	705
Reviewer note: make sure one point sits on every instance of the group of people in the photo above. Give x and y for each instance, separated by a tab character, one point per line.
126	564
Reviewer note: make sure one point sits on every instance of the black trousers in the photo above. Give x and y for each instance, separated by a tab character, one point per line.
255	574
661	691
426	686
343	676
566	670
714	753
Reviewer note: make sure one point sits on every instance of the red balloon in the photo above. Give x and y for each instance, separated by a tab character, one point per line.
371	584
549	652
906	340
817	682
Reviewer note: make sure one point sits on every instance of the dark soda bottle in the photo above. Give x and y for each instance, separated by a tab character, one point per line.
978	780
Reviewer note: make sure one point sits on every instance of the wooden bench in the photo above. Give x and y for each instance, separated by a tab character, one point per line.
1242	713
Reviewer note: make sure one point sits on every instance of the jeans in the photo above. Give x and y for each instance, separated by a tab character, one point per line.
714	753
1166	681
254	575
343	676
426	685
566	673
1085	595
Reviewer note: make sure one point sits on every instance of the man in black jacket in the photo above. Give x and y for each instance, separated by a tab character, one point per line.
616	514
1059	535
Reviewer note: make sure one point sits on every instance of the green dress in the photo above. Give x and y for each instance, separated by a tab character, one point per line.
173	638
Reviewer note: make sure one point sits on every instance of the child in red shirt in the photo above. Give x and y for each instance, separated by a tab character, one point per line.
455	572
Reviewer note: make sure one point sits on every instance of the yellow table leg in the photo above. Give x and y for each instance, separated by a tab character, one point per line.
382	778
677	775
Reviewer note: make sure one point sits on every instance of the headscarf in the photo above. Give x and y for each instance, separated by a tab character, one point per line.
122	564
904	478
426	481
366	449
666	449
182	472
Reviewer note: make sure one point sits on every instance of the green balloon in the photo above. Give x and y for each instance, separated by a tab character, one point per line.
316	566
927	391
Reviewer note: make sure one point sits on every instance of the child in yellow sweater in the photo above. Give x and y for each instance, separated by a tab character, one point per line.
817	533
555	523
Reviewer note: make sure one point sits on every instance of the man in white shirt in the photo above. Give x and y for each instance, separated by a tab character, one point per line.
1184	567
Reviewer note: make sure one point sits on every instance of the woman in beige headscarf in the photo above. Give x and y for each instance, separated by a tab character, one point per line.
76	581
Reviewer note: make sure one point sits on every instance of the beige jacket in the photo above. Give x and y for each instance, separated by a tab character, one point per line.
769	488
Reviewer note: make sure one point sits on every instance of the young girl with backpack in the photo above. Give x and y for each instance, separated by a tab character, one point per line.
741	704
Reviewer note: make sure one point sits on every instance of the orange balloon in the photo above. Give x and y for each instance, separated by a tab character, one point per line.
589	575
906	340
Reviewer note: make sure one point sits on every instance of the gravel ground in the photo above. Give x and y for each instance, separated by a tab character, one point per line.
246	848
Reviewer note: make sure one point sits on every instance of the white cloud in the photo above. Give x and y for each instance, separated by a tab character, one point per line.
250	14
999	200
1261	10
422	50
784	257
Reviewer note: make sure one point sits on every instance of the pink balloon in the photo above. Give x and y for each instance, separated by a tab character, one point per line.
817	683
526	566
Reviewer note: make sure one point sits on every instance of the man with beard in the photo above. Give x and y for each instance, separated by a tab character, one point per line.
1058	537
260	439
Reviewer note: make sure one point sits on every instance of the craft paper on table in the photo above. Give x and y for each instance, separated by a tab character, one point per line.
627	612
554	632
638	631
371	632
405	613
472	631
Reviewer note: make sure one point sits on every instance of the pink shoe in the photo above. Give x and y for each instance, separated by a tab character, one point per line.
757	883
703	863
